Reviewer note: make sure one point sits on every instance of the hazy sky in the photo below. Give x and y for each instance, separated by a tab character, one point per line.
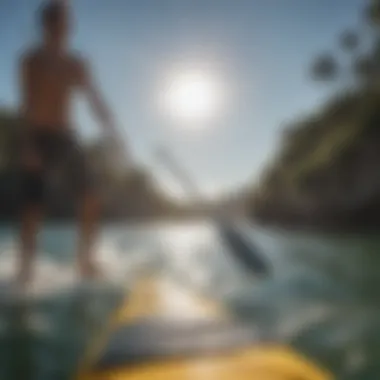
259	50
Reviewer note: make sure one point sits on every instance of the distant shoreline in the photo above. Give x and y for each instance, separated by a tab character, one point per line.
140	220
329	230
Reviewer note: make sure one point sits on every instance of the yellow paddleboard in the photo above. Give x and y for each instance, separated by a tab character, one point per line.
163	332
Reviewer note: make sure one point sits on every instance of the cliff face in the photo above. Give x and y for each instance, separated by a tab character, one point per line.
328	171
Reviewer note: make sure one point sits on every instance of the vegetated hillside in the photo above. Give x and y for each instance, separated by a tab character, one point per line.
327	171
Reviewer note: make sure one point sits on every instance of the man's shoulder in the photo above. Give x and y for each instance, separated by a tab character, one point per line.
79	67
36	52
77	59
31	54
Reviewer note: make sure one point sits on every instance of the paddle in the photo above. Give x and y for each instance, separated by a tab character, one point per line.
242	250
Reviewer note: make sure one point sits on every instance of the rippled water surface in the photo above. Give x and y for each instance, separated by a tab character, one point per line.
321	297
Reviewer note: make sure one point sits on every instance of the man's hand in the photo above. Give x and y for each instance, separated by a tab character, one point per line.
118	146
114	139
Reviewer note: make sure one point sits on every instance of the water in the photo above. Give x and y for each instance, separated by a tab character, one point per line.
321	299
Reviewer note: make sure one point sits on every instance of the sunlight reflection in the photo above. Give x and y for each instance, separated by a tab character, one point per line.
176	302
51	275
196	258
185	250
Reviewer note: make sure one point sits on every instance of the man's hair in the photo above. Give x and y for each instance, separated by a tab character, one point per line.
52	13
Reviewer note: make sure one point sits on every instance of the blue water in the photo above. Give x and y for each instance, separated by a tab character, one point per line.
321	298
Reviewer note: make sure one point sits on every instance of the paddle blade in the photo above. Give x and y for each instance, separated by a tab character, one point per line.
243	251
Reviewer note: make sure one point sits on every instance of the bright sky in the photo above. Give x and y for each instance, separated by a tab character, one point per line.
259	51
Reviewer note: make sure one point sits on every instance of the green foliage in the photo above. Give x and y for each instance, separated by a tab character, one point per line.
364	67
349	40
325	68
372	13
328	162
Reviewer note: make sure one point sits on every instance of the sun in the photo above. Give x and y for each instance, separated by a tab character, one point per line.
192	97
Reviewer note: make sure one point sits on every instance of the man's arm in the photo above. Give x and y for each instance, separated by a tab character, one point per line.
24	79
96	100
101	109
29	157
25	93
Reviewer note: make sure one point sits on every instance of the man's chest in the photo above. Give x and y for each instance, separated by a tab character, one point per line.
52	71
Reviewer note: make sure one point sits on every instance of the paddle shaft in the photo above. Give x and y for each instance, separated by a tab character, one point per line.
187	183
243	251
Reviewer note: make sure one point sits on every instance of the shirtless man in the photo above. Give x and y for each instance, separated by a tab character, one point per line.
49	75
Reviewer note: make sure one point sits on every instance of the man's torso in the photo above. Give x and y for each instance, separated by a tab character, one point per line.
50	80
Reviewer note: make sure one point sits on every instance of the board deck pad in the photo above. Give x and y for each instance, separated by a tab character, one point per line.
164	320
160	339
163	332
